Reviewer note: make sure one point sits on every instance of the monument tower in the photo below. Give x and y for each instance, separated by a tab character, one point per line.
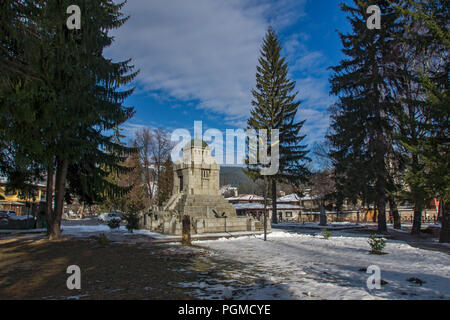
196	194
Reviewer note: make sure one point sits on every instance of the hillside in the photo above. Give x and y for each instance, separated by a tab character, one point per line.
236	177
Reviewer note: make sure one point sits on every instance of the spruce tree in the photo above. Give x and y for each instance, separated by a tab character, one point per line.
275	107
361	125
409	127
430	43
18	43
17	39
74	105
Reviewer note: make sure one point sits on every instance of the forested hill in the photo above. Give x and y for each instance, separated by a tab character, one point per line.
236	177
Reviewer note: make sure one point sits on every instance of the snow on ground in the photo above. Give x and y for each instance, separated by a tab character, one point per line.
296	265
82	230
25	217
79	230
314	225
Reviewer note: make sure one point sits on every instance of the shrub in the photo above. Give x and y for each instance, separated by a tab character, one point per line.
103	239
114	223
377	244
132	221
326	234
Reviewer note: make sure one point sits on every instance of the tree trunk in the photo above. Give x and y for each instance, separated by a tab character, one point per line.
323	216
374	216
439	211
265	208
393	211
60	189
274	202
417	198
445	221
417	222
49	198
186	231
381	207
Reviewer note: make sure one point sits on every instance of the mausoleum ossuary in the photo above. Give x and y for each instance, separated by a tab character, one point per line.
196	194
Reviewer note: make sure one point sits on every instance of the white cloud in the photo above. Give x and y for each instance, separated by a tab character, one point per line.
202	50
311	61
309	70
206	51
130	129
315	99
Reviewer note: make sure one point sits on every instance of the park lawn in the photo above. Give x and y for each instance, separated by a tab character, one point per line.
32	267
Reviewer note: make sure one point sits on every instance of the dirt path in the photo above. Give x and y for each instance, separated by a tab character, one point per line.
32	267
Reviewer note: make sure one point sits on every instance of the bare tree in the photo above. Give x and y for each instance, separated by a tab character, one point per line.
155	148
322	183
143	140
322	186
161	146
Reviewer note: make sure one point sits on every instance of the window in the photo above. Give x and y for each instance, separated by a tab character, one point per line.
288	214
205	173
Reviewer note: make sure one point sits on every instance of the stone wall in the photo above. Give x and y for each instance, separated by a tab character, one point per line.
354	216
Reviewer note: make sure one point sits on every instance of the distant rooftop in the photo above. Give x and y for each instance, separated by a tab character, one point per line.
260	206
246	197
294	198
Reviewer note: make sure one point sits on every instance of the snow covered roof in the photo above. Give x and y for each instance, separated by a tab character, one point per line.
260	206
289	198
246	197
226	188
294	198
4	180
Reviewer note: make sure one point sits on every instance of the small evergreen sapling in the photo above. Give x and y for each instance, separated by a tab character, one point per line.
132	221
326	234
377	244
103	240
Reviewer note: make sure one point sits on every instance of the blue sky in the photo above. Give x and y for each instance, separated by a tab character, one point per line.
198	59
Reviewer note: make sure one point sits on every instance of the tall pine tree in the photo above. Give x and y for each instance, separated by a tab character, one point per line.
275	107
361	125
71	109
430	43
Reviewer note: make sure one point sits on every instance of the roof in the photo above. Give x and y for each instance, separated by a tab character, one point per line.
196	142
294	198
260	206
246	197
13	203
4	180
289	198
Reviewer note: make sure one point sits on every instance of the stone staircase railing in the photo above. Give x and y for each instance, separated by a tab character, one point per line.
172	202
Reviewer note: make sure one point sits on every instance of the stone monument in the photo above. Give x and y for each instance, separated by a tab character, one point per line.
196	194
